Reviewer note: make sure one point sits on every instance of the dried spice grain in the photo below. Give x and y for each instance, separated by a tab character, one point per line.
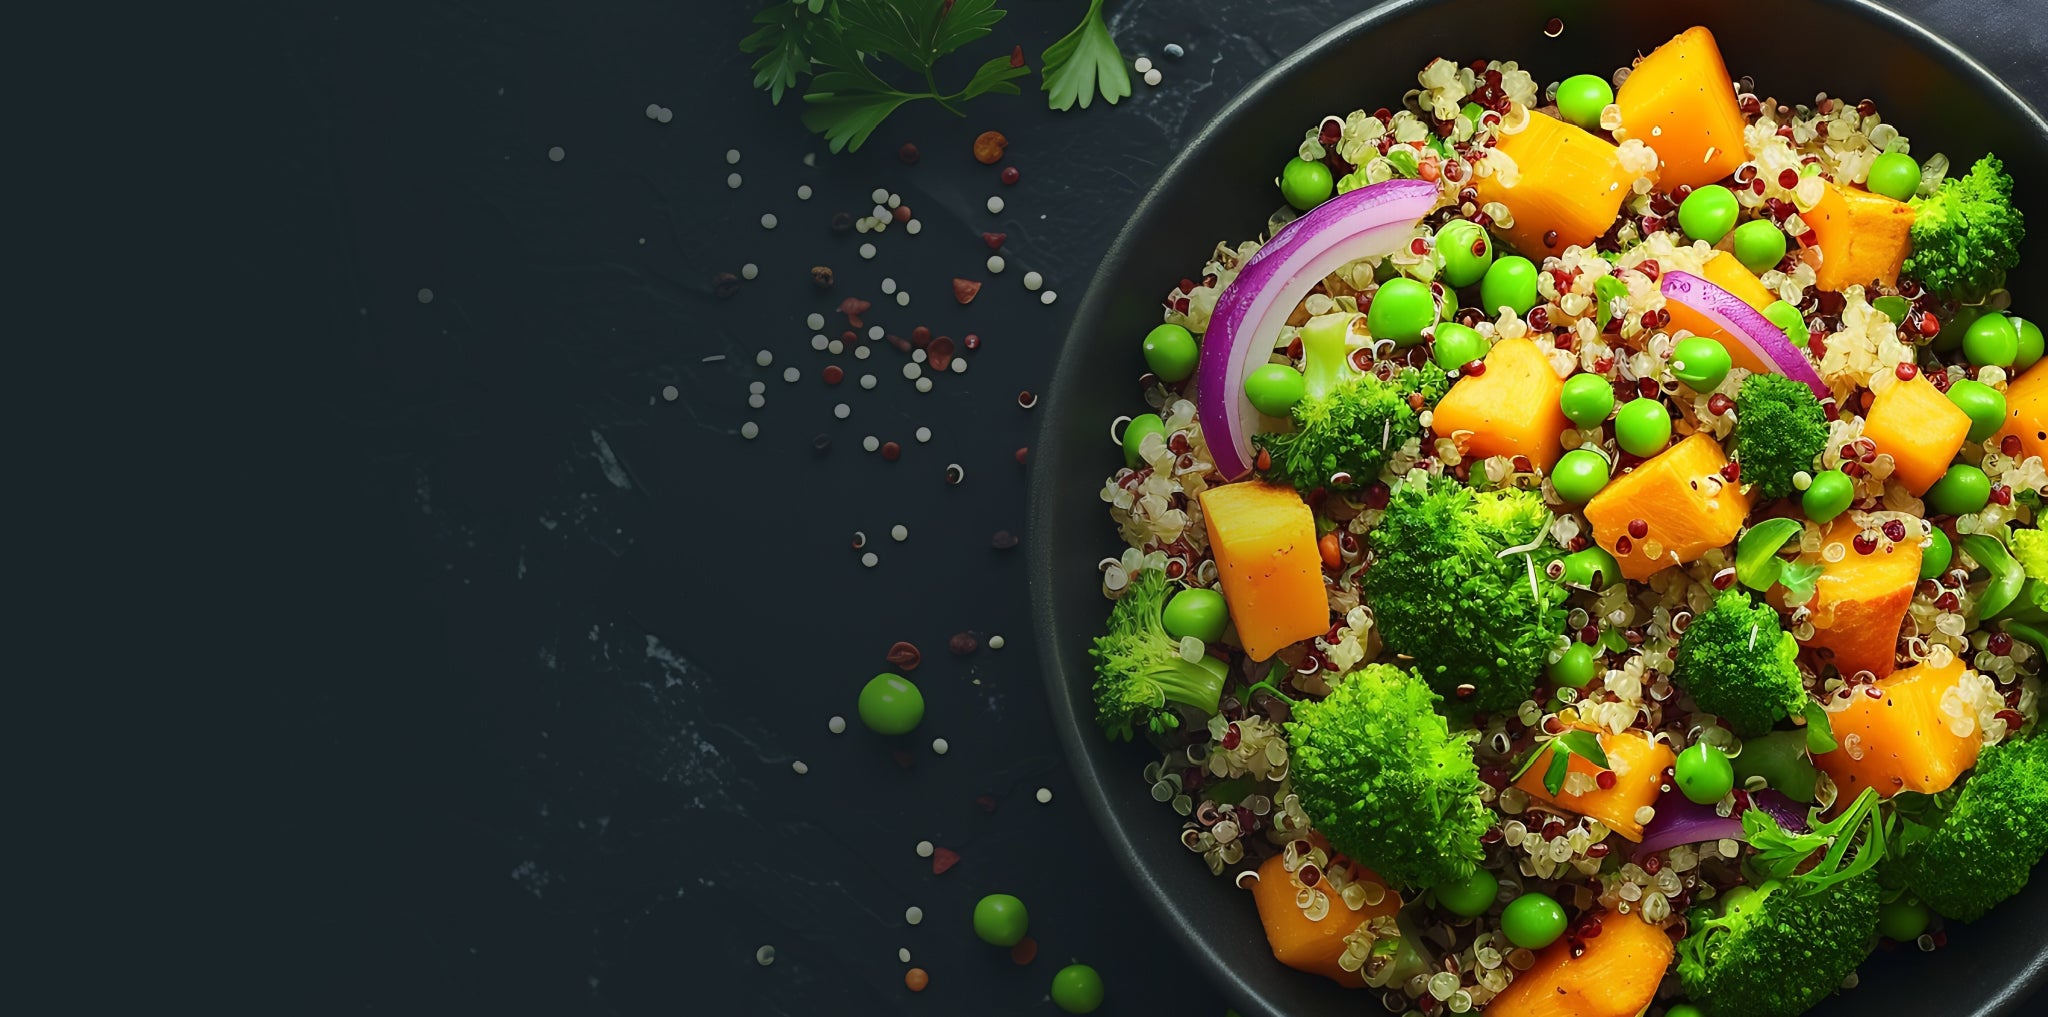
940	353
725	284
964	290
989	146
963	643
821	277
908	154
1003	540
994	240
904	656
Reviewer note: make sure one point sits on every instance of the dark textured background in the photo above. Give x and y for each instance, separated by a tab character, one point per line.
545	765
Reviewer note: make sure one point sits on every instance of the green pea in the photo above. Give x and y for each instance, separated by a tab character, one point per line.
1902	920
1579	475
1510	283
1465	250
1592	568
1470	896
1582	97
1937	555
1000	919
1134	436
1759	245
2030	343
1457	345
1587	399
1576	668
1963	489
1306	184
1828	496
1171	353
1781	759
1683	1010
1704	773
1992	341
1984	405
1708	213
1274	388
890	705
1894	175
1077	989
1642	427
1700	363
1400	310
1532	921
1789	320
1201	613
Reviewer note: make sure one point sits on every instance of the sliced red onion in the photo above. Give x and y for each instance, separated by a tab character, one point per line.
1747	325
1680	820
1374	220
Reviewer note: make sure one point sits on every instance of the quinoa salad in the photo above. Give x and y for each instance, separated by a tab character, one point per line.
1581	558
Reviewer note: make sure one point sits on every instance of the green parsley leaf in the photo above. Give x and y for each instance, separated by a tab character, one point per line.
788	33
1083	62
849	98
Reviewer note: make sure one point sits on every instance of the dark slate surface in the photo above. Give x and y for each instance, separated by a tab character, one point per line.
588	630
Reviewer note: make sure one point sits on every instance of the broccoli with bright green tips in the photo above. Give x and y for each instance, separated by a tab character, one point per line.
1139	668
1459	582
1380	774
1983	848
1740	664
1347	421
1780	430
1966	235
1780	949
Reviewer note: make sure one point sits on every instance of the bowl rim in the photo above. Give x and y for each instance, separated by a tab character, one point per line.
1071	726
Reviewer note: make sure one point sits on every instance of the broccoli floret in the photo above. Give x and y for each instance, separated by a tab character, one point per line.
1966	235
1429	382
1139	669
1780	429
2030	549
1984	848
1740	664
1781	948
1381	775
1345	423
1445	592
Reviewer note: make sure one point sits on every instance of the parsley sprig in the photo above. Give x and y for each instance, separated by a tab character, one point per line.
1085	60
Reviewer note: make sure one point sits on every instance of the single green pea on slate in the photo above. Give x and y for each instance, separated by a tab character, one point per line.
1077	988
1172	353
1001	920
891	705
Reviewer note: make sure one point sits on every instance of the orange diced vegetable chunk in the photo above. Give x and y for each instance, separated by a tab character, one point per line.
1616	975
1509	410
1724	271
1264	540
1569	182
1859	236
1917	425
1304	944
1680	101
1859	601
1638	766
1903	740
2026	410
1669	491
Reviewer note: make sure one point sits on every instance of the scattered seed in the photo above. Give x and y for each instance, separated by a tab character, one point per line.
1048	297
841	222
820	443
557	154
913	227
987	803
764	358
1032	280
867	251
893	200
888	284
903	954
900	213
1025	400
724	284
837	725
764	956
767	220
860	539
996	642
939	746
955	473
924	849
803	192
1142	64
791	374
940	353
1023	453
669	393
960	366
750	430
963	643
816	320
995	263
732	180
912	370
653	110
924	384
924	434
907	154
869	559
871	443
904	656
943	859
875	332
995	204
890	453
916	979
964	290
426	296
821	277
867	381
1173	50
1003	540
757	400
881	194
1025	950
860	353
903	298
732	156
913	915
989	146
842	411
972	342
1153	77
835	347
750	271
800	767
1044	796
833	374
994	240
820	343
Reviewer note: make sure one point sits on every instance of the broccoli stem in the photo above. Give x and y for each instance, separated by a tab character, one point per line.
1326	361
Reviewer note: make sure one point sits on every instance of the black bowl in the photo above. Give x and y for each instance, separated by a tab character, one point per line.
1220	188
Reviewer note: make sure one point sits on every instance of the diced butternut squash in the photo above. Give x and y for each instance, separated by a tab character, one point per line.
1264	540
2026	410
1860	237
1511	409
1616	975
1917	425
1859	601
1305	944
1567	181
1638	765
1670	492
1724	271
1680	101
1900	742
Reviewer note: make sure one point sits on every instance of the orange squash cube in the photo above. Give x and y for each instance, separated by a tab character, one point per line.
1511	409
1724	271
1614	974
1899	742
1917	425
1859	601
1571	183
2026	410
1859	237
1263	537
1305	944
1639	766
1680	101
1669	491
